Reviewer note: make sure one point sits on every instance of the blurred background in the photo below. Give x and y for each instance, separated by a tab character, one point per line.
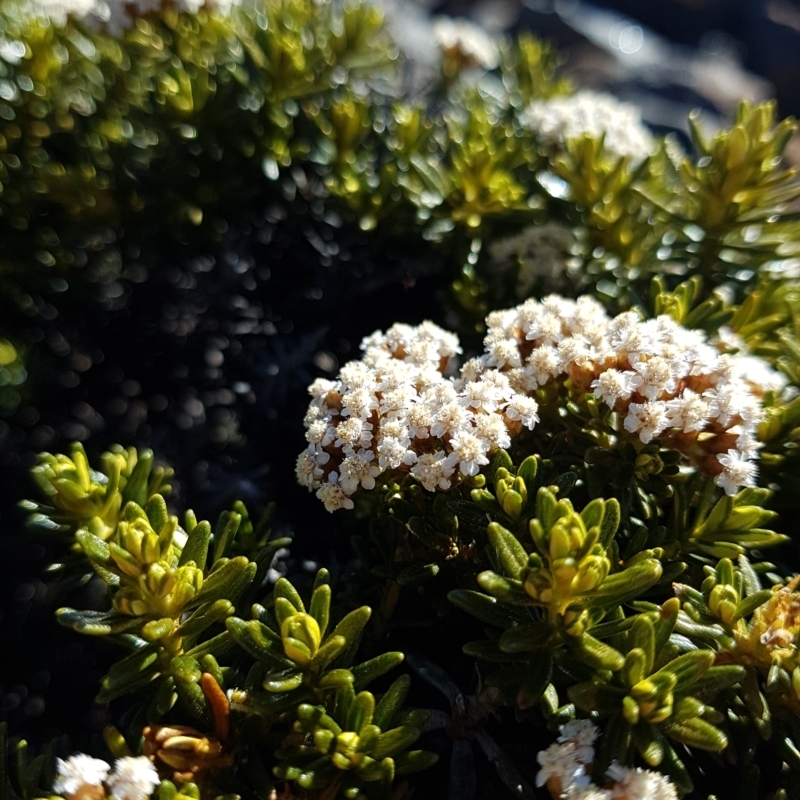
667	56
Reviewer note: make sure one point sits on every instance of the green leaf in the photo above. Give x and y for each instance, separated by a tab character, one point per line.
227	527
612	515
331	648
747	606
368	671
285	590
351	627
204	617
336	679
417	574
196	547
413	761
259	641
509	591
391	702
96	623
643	636
509	551
157	513
528	471
697	733
620	587
283	683
361	711
535	681
227	582
486	609
687	668
529	638
95	548
393	742
321	606
596	654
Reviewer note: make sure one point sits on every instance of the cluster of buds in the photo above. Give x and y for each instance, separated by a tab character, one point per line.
184	750
756	628
567	572
81	777
775	628
81	498
396	410
657	699
559	119
358	742
566	765
145	557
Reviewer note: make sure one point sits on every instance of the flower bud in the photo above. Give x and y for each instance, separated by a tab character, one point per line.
301	637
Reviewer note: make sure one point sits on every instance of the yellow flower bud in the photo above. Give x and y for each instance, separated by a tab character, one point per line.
301	637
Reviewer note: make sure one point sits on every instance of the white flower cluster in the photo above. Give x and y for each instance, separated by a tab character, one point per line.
466	41
663	380
114	17
542	255
395	409
133	778
559	119
565	768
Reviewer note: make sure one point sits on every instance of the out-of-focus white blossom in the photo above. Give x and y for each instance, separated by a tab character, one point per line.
565	767
561	118
466	42
542	256
114	17
640	784
133	778
397	410
79	770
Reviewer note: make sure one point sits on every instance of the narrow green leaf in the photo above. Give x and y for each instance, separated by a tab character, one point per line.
321	606
510	553
391	702
368	671
196	547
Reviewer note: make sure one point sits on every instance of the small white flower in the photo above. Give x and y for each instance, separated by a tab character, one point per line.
523	409
450	417
544	364
392	453
739	471
647	419
433	471
79	770
320	432
690	412
614	384
470	451
418	419
359	403
658	377
307	470
133	778
357	470
640	784
492	430
559	761
334	497
352	432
